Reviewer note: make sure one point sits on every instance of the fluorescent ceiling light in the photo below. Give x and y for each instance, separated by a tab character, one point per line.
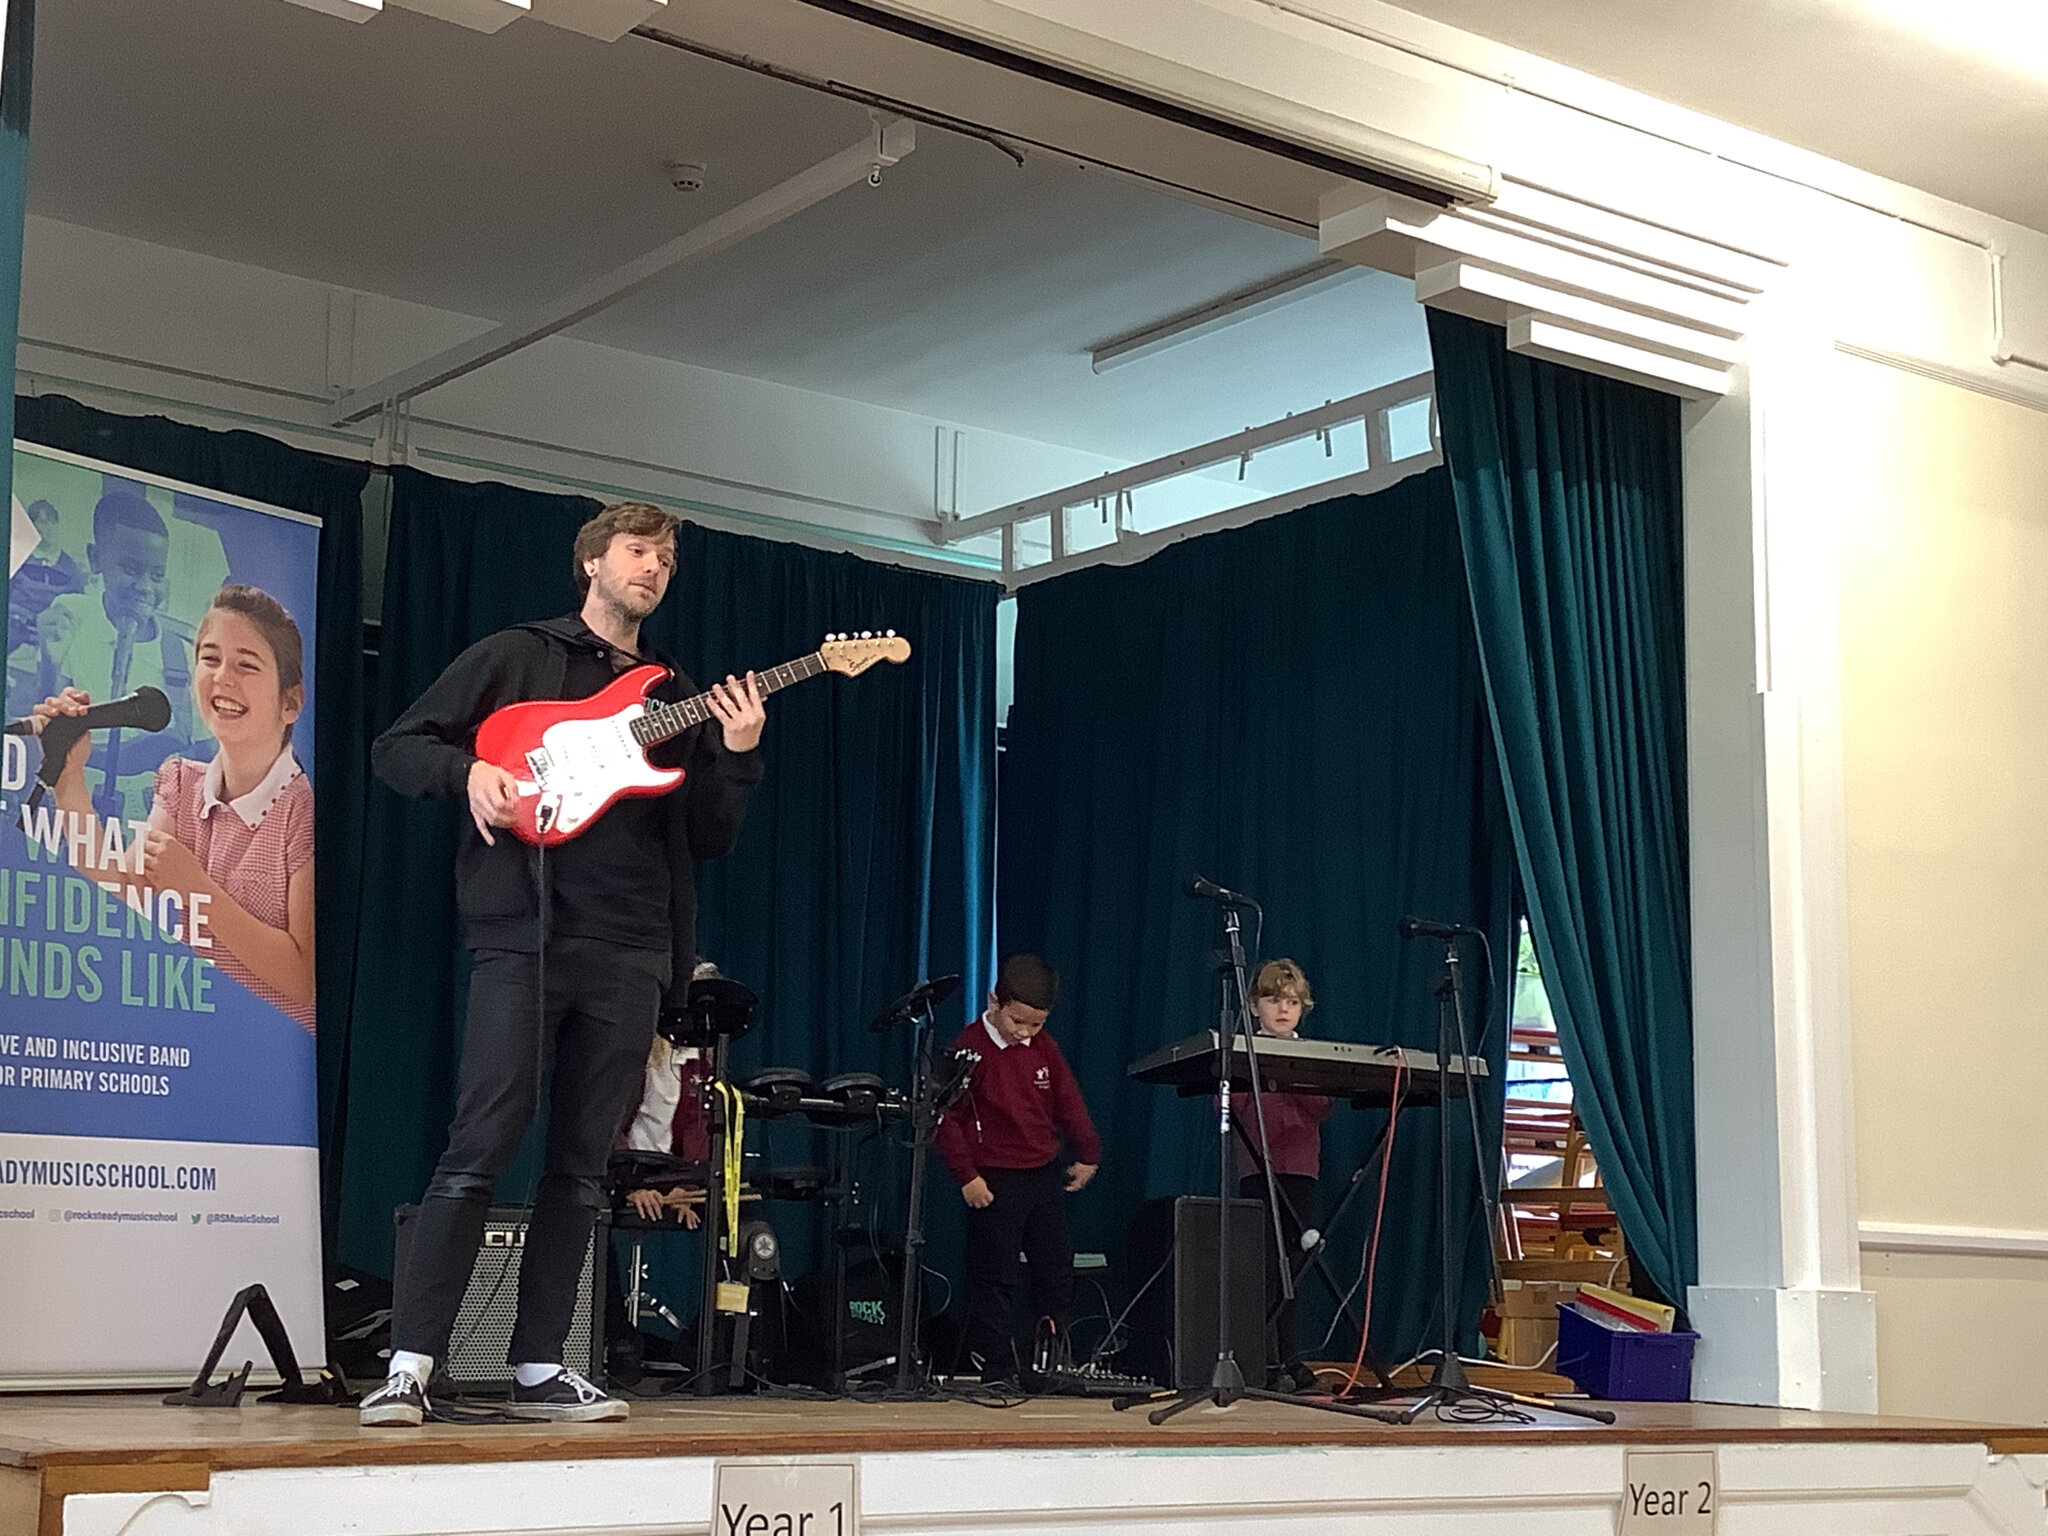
477	15
605	20
2009	34
347	10
1239	304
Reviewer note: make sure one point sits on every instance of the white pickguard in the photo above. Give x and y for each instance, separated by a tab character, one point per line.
582	764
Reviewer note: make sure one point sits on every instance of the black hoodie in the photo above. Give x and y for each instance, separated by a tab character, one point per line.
429	749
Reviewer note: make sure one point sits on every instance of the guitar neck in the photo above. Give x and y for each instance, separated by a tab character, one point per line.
663	721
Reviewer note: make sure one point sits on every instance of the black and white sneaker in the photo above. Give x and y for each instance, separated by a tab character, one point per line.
400	1403
565	1397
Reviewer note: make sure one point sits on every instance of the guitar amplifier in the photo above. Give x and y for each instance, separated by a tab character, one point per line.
483	1327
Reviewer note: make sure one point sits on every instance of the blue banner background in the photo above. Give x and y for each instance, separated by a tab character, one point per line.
249	1075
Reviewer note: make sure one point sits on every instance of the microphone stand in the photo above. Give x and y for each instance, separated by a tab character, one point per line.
1226	1382
1451	1387
924	1126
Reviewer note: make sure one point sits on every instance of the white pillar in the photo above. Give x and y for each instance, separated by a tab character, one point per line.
1780	1307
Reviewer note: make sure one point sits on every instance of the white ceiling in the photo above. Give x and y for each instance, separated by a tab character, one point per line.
484	174
1827	75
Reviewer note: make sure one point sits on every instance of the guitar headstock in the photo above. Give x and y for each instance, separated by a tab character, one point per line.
851	655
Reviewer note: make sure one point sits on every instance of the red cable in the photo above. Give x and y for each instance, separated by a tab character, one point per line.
1372	1262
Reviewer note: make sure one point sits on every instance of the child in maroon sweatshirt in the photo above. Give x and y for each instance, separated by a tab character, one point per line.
1294	1137
1002	1142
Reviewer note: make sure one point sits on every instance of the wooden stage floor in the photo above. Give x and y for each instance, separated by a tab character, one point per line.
135	1430
128	1446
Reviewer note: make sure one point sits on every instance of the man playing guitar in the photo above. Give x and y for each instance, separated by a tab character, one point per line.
615	935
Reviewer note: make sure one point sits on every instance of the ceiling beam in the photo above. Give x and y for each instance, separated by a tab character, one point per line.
893	139
1262	297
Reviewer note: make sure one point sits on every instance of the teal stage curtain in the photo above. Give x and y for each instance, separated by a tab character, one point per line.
17	71
1568	496
864	863
1292	709
261	469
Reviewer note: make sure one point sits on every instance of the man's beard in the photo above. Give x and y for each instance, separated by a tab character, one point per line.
626	603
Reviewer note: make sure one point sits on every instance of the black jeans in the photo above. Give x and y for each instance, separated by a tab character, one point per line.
1029	1213
596	1028
1297	1206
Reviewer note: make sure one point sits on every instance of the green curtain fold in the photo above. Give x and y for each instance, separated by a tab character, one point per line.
1294	710
261	469
1568	495
865	862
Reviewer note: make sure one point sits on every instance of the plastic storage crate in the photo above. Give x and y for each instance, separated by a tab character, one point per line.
1624	1364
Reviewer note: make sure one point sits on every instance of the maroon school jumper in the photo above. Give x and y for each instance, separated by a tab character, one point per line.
1294	1131
1021	1098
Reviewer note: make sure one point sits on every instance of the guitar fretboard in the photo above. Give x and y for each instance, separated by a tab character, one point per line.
665	720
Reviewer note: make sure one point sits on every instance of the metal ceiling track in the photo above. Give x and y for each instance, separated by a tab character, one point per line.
1115	488
893	139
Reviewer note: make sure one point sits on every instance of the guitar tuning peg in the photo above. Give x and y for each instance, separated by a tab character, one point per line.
889	634
867	634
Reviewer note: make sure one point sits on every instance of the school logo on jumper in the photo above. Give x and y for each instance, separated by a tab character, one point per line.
1042	1078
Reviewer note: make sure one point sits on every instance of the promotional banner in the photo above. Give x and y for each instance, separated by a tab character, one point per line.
158	1145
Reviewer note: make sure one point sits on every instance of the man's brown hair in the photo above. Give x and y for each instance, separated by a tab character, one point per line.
1028	980
595	537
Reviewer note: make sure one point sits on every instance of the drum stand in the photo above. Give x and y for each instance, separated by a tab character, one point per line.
705	1381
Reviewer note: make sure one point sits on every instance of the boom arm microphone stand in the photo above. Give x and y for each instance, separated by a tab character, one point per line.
1226	1381
1451	1387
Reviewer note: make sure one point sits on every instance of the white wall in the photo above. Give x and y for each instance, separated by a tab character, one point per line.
1942	509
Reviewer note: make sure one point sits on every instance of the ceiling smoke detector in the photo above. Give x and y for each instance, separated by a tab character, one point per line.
686	175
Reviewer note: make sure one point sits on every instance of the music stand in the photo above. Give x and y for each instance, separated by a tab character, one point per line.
1226	1382
1451	1386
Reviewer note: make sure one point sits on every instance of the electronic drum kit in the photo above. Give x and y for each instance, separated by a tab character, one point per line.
716	1012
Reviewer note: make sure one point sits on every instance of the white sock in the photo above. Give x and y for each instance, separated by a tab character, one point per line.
531	1375
419	1367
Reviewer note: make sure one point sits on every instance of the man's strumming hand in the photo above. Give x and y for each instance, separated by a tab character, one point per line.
493	797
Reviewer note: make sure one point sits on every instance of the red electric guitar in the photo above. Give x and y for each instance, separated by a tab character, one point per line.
574	757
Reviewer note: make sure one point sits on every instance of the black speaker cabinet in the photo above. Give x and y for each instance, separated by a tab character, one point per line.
1173	1325
483	1328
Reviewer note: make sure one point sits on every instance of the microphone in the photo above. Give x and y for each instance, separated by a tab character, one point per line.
146	709
1429	928
1209	890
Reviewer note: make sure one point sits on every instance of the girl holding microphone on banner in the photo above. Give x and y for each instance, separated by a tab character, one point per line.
237	830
